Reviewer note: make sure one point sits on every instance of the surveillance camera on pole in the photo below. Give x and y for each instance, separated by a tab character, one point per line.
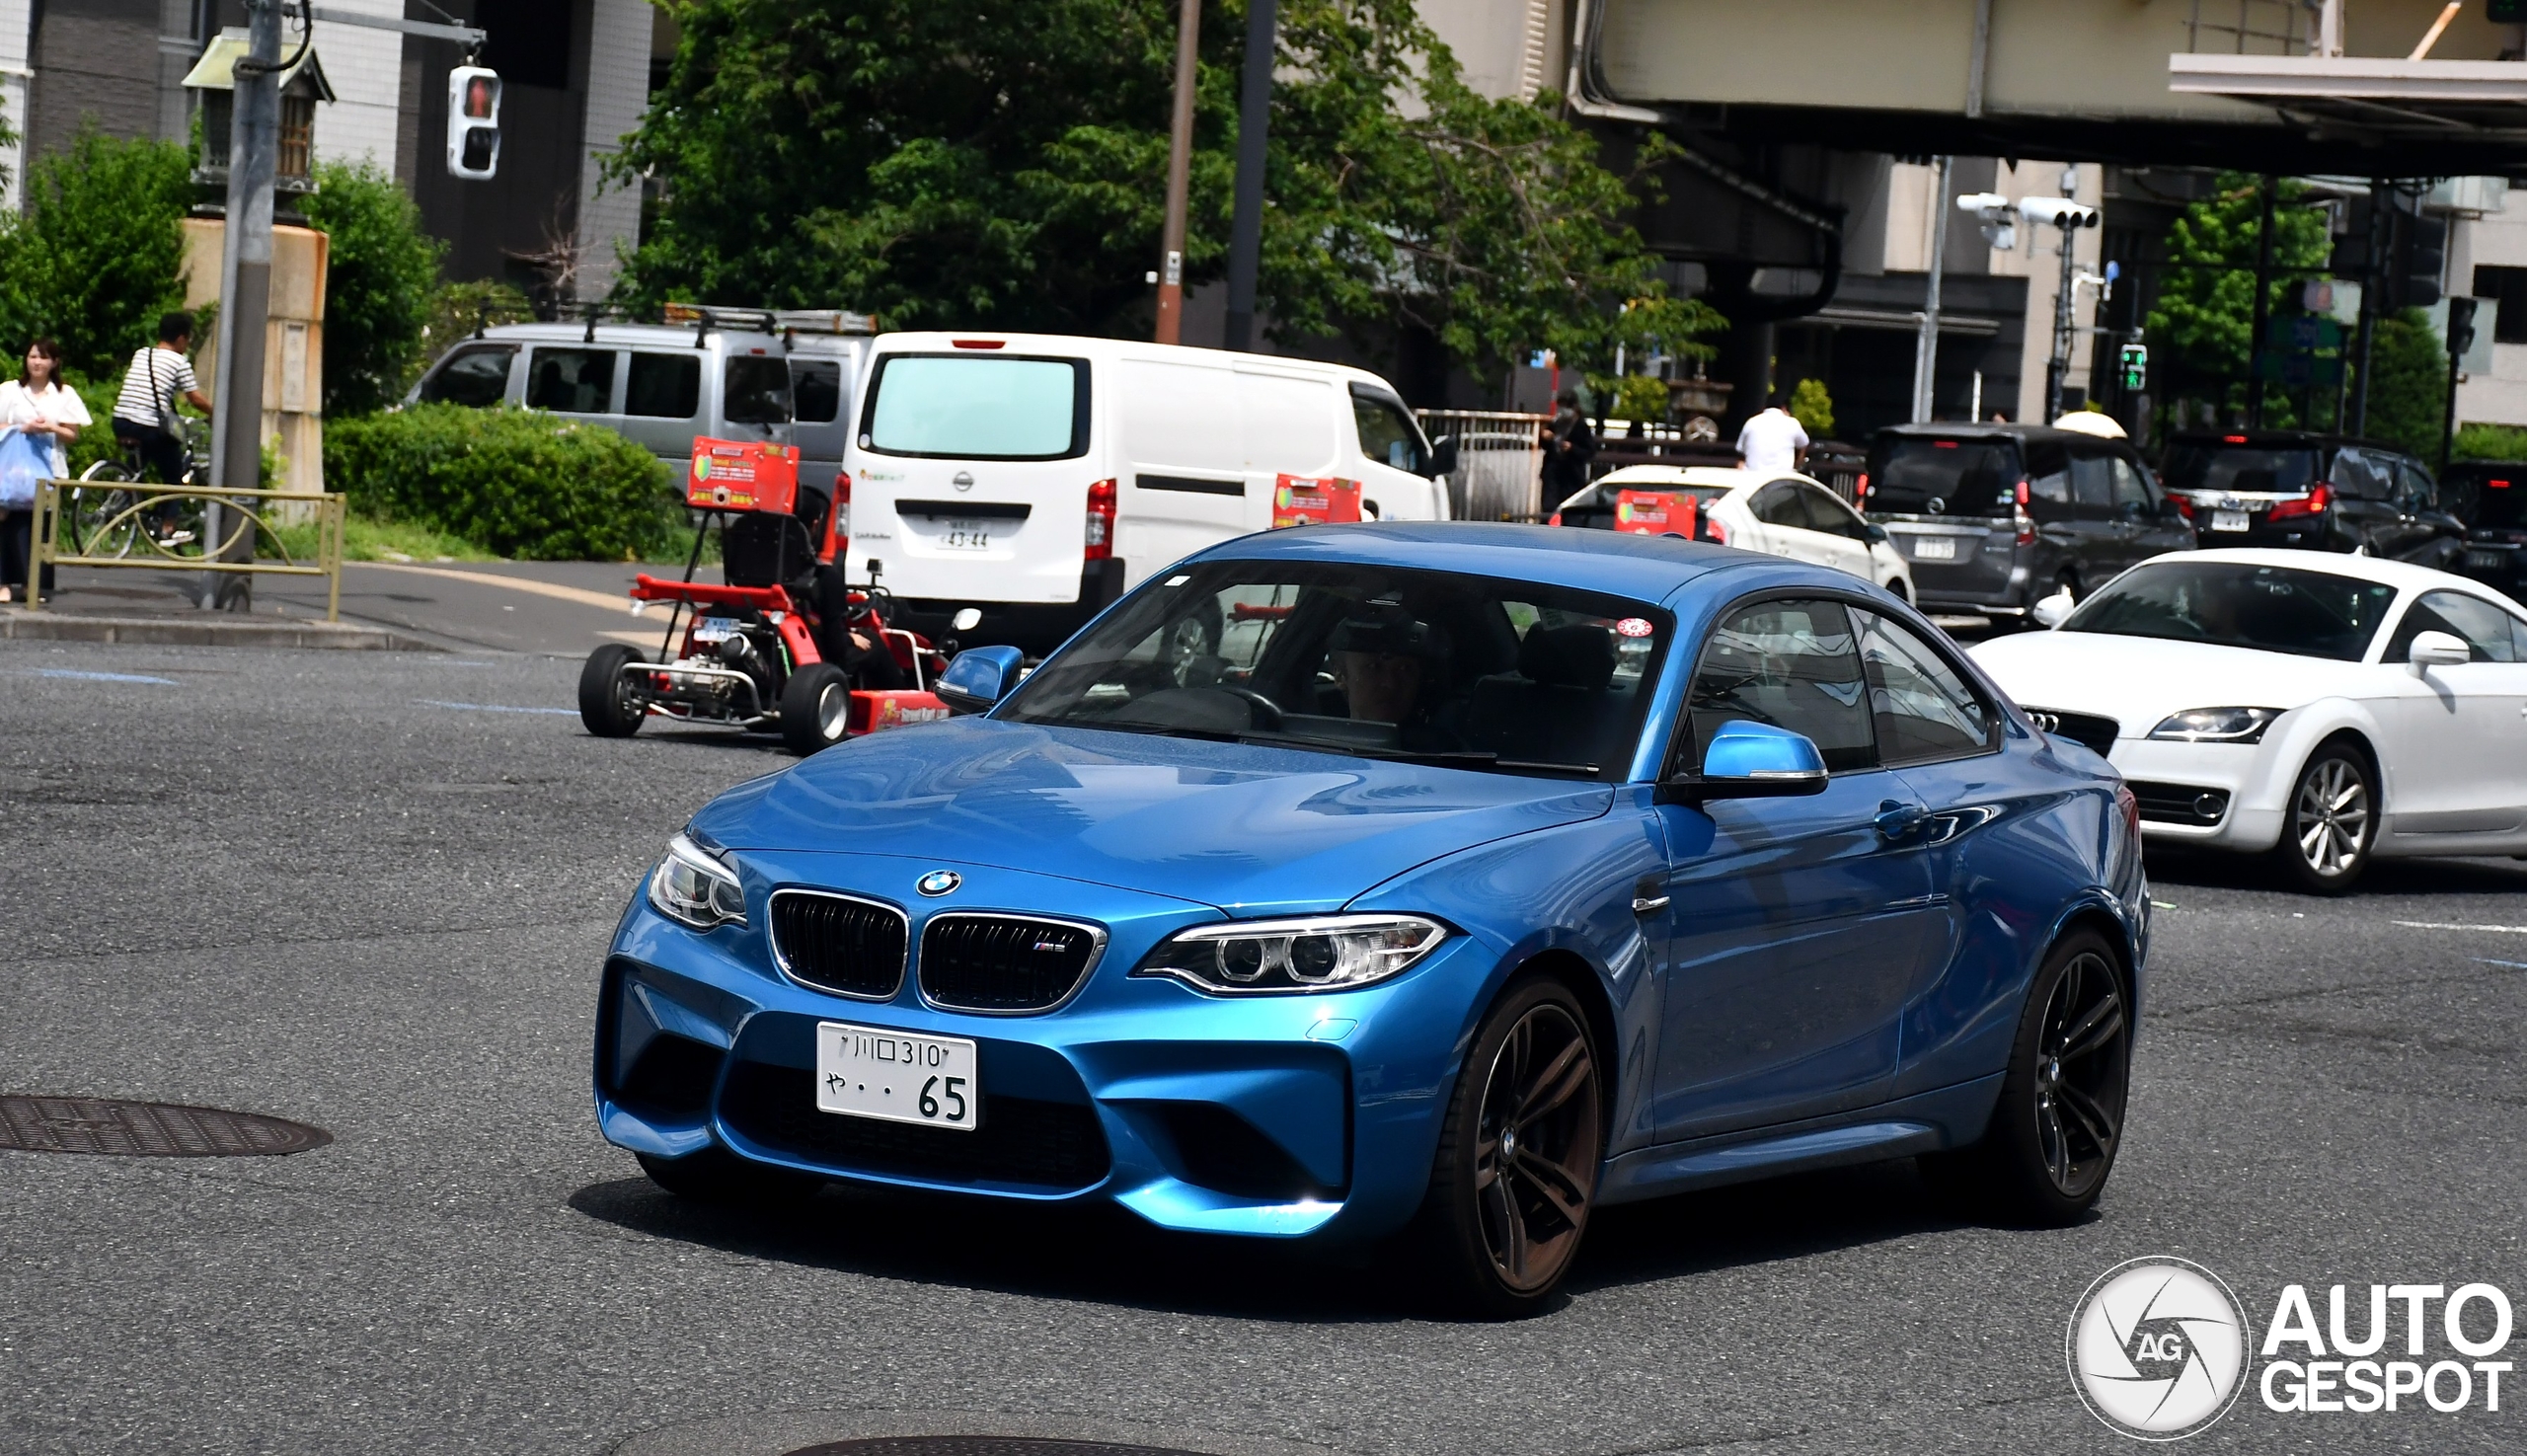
472	124
1996	214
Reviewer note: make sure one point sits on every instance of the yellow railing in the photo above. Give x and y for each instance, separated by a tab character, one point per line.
111	523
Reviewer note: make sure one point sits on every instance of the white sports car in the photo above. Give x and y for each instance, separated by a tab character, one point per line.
2323	709
1788	515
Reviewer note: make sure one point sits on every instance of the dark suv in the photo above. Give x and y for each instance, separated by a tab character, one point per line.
2490	498
2294	487
1993	518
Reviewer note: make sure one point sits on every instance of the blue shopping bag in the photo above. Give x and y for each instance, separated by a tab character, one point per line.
24	460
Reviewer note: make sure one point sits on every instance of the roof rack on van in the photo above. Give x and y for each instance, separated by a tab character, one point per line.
705	317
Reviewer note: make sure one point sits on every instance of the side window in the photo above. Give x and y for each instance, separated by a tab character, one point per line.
574	381
1387	434
1833	518
757	390
2049	484
816	390
2131	490
1791	664
2358	476
477	377
2092	484
663	386
2414	488
2491	632
1777	505
1925	710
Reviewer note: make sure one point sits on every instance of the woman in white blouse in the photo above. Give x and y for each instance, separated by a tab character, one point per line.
44	406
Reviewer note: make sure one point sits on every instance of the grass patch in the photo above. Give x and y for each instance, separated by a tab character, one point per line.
367	539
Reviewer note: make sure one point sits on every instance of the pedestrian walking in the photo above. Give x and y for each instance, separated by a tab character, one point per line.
41	416
1773	443
145	422
1569	445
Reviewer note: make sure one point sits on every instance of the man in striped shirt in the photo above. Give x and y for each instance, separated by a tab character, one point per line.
146	420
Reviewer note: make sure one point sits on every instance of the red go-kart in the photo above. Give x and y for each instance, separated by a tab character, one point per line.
786	646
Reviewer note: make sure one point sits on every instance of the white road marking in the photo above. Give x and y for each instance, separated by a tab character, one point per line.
2444	925
559	592
493	707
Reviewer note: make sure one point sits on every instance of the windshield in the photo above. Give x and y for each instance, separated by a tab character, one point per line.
1918	476
2272	609
2230	468
977	407
1376	662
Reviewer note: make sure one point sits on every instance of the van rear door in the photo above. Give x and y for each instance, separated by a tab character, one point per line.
1949	507
972	475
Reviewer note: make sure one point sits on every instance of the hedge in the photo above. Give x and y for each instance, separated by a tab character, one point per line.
518	483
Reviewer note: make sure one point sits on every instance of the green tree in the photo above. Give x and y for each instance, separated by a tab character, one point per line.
2408	384
99	252
961	162
381	276
1813	408
2203	322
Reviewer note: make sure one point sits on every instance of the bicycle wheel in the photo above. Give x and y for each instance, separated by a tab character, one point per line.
99	518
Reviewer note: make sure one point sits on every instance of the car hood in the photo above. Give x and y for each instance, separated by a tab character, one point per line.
1250	830
2139	680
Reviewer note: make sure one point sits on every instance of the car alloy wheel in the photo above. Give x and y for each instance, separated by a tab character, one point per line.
2080	1075
2333	813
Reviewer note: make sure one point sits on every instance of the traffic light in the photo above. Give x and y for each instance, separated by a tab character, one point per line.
2136	368
2461	326
473	122
2418	263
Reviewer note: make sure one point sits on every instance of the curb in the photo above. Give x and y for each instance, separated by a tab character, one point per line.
209	630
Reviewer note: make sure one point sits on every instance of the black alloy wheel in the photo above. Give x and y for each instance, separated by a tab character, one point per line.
2330	820
606	702
1516	1171
2058	1122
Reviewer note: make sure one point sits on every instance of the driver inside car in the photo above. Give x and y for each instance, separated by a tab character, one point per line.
1394	667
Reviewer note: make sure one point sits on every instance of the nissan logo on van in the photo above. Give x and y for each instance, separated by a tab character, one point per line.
964	479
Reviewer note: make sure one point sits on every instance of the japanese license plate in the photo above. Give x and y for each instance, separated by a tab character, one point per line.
897	1076
2228	520
715	629
964	535
1934	548
2487	560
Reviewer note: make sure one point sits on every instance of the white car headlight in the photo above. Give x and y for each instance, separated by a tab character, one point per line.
694	886
1316	953
2217	724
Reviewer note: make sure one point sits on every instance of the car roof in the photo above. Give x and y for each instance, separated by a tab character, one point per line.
1097	347
1967	430
1644	568
2404	575
2271	438
1722	477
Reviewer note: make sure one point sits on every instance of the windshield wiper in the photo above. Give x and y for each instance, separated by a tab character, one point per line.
1453	758
1155	731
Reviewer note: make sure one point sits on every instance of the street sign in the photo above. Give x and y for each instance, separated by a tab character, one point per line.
474	123
2302	333
2136	368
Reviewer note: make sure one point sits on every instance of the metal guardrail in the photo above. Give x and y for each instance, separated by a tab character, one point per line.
110	526
1499	462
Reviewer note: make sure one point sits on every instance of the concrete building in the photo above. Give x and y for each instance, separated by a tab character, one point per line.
575	76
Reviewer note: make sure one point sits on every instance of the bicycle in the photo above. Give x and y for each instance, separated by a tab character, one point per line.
102	520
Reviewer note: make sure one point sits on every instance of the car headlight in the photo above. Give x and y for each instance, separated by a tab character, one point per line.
694	886
2217	724
1317	952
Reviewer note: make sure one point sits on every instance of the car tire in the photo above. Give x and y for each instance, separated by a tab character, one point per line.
2043	1160
1515	1174
815	709
718	1176
2330	821
605	702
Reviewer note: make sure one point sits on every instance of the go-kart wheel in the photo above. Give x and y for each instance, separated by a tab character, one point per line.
606	704
815	709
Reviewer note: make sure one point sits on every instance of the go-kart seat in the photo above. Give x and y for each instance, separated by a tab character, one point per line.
1556	708
761	549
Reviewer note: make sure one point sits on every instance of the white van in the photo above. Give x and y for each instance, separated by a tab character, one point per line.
1037	477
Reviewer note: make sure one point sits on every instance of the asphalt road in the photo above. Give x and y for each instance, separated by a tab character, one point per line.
370	891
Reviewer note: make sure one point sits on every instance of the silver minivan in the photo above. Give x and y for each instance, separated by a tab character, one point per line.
788	375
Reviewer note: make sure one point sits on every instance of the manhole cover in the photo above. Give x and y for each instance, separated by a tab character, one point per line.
980	1446
146	1129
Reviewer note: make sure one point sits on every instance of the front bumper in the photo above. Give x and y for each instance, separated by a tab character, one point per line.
2215	796
1271	1115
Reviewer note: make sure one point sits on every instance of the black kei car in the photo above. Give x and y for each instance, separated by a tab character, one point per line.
2490	498
2296	488
1993	518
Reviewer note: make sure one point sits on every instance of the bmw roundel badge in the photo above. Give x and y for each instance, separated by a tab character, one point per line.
939	882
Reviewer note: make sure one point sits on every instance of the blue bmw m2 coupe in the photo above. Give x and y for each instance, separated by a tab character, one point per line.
1425	880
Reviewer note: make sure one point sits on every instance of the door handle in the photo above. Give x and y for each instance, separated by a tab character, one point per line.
1895	818
1647	899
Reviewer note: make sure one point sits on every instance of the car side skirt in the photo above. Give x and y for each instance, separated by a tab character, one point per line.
1925	1122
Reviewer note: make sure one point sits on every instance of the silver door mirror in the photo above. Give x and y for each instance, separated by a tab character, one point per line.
967	618
2051	610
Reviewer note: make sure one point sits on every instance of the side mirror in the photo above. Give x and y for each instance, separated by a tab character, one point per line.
1444	456
2051	610
1877	533
2439	649
978	679
1753	760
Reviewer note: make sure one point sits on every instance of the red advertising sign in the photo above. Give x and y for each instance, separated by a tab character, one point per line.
742	475
1298	501
1655	514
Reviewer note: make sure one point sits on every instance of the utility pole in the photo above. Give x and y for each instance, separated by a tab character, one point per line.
2373	276
2057	369
2262	307
1926	345
245	296
1254	119
1180	165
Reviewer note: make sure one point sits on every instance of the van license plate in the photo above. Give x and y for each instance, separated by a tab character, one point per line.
1934	548
897	1076
2228	520
961	535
